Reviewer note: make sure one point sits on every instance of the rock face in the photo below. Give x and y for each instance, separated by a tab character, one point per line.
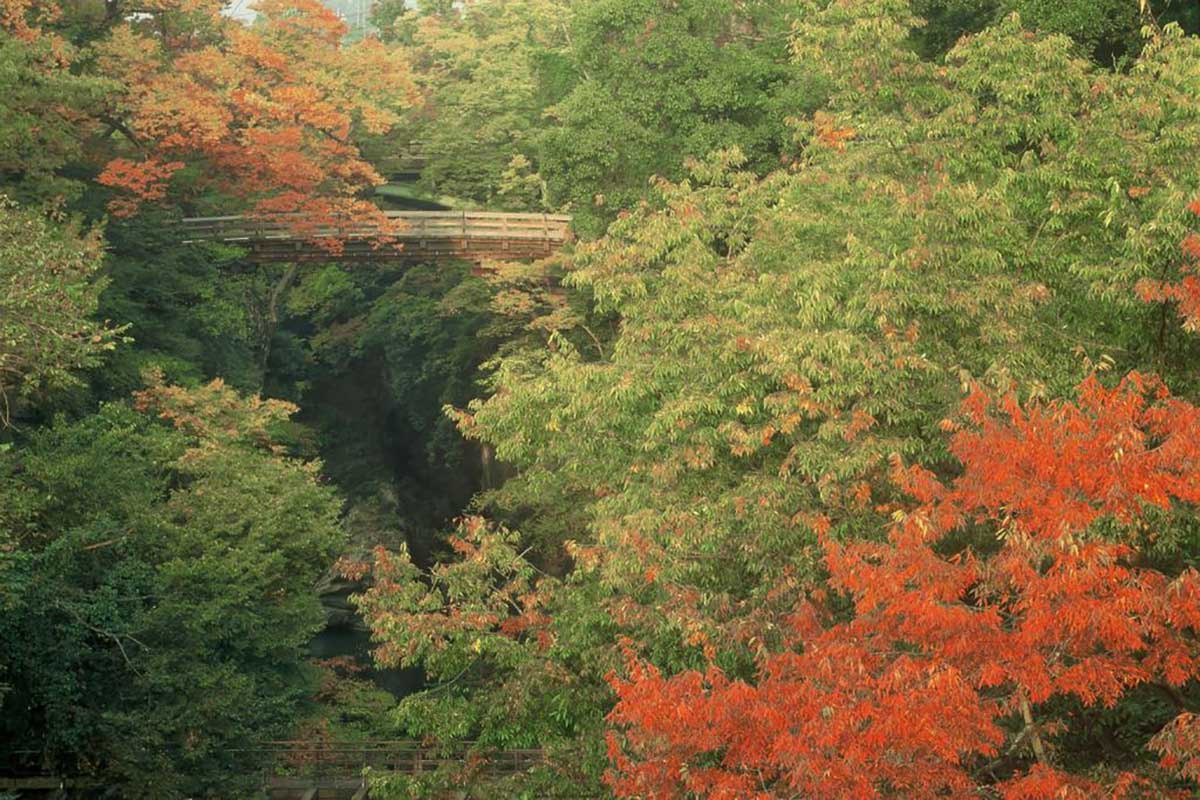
334	591
492	472
370	523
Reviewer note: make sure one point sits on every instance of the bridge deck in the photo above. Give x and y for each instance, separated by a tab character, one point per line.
394	756
406	236
302	770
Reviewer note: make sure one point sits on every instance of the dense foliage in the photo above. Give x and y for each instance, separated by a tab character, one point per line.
157	592
49	292
714	487
851	450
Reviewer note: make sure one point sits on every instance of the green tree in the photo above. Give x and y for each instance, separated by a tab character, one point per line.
50	109
1106	29
661	82
783	338
49	290
158	590
193	311
502	675
488	71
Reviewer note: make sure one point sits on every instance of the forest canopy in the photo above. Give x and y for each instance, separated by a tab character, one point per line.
848	447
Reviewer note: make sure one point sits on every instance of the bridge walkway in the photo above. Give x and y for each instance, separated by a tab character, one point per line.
403	236
299	770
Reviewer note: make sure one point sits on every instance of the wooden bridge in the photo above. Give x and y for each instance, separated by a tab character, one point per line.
403	163
302	770
298	770
399	161
406	236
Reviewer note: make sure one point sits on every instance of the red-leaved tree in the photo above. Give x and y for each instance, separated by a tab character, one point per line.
937	683
266	114
1185	292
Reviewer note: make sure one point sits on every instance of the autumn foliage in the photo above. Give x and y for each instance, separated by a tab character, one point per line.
1184	293
266	114
486	598
805	469
937	682
24	19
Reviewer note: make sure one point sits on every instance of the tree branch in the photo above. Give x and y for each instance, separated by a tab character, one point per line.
115	125
1035	738
116	637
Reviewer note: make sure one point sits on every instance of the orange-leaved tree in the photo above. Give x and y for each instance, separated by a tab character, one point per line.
931	663
267	113
1185	292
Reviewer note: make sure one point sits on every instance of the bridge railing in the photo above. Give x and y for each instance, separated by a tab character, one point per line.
321	760
400	225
